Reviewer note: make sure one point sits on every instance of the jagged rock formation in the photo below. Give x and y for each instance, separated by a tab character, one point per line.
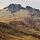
14	7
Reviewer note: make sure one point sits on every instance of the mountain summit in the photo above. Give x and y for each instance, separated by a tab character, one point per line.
14	7
17	7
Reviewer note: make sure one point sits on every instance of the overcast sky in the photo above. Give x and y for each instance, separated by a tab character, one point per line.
32	3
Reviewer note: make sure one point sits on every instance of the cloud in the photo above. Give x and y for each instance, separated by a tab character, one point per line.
35	0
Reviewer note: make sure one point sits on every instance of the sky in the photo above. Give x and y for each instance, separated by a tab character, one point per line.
24	3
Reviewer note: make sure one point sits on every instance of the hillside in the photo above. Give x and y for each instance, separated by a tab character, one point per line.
19	23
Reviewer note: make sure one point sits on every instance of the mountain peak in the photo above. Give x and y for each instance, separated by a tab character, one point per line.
17	7
14	7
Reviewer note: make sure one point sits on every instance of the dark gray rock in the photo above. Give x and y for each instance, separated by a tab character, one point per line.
14	7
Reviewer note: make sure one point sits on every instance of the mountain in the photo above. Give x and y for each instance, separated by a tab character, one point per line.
14	7
19	23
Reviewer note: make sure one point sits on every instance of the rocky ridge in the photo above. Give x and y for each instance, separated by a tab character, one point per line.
17	21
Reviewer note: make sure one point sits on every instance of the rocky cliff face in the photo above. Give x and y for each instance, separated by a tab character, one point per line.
19	23
14	7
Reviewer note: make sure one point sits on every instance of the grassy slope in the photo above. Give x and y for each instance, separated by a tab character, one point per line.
8	33
24	33
17	16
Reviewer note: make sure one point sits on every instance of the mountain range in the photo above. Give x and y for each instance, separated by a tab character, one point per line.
19	23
